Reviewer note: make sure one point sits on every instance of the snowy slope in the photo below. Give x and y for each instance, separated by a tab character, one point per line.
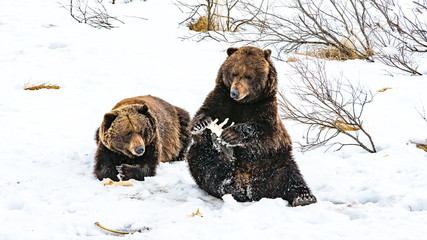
48	191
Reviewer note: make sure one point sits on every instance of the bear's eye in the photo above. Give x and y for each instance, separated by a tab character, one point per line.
249	77
234	74
128	135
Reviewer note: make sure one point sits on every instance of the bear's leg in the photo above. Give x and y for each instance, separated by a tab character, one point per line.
210	169
104	171
297	192
184	138
105	164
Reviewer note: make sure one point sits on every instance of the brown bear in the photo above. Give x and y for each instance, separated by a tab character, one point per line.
260	164
137	135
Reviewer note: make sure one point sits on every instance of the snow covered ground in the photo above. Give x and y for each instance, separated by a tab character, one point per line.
48	191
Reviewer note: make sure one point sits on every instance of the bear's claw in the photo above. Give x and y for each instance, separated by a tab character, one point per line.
303	199
230	138
127	172
120	171
201	125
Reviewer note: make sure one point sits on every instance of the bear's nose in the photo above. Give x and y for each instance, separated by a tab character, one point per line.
139	150
234	93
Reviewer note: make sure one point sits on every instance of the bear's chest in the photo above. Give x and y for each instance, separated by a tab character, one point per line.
241	113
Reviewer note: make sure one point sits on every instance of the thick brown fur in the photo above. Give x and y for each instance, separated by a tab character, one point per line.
262	164
138	134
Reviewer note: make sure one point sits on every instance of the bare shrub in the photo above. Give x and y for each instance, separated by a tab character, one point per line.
422	112
395	55
399	34
212	18
341	30
206	13
329	107
407	27
332	25
331	29
91	12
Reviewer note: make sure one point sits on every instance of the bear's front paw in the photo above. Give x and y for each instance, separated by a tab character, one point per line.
230	137
303	199
127	171
199	124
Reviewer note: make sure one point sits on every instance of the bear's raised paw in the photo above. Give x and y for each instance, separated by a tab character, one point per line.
303	199
200	124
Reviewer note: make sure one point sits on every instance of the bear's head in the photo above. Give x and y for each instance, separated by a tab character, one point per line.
248	74
128	129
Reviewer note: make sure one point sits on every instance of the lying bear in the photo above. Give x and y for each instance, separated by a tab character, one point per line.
260	163
137	135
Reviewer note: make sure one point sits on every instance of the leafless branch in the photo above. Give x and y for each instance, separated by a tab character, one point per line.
398	37
91	12
329	107
410	30
341	25
215	18
423	113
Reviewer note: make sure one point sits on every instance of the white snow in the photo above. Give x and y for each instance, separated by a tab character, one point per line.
48	191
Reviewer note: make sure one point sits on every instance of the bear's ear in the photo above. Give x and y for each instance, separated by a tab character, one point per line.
108	120
142	109
267	54
148	114
231	51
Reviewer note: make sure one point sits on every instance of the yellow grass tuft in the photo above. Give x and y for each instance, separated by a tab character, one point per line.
197	213
33	87
383	89
202	25
292	59
344	126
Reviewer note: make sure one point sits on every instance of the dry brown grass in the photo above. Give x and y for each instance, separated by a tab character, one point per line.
333	53
421	144
36	86
339	123
292	59
202	25
383	89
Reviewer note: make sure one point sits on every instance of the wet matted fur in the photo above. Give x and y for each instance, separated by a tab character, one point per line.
262	164
137	134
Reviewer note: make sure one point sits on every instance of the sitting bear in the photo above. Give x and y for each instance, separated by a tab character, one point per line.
260	163
137	135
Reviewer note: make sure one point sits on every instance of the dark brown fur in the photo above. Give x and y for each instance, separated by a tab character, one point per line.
262	164
136	135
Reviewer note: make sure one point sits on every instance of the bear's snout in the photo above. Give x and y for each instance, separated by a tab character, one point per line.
239	89
234	94
139	150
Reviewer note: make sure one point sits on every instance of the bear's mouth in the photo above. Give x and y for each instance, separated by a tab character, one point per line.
238	97
130	154
138	154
